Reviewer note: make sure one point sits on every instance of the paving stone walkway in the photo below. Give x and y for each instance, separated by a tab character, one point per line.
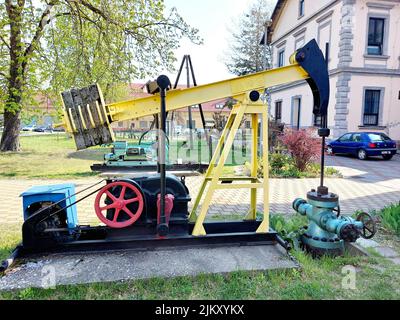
355	194
367	185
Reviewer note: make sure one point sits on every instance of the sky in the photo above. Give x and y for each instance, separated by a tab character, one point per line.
213	19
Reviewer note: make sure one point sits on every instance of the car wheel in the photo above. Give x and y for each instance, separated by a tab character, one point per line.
387	157
329	150
362	154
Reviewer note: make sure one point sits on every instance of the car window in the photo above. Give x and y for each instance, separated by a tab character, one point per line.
378	137
356	137
345	138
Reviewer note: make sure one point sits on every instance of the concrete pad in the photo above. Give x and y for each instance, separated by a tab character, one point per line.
106	267
355	249
386	252
365	243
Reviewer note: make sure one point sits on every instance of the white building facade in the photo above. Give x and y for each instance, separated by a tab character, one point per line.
361	39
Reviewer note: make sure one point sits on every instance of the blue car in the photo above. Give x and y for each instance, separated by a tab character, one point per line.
364	145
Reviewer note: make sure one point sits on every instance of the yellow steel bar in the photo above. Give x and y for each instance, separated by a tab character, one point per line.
198	229
254	109
264	226
210	168
227	178
252	186
73	126
220	144
180	98
193	215
90	116
67	123
254	167
82	118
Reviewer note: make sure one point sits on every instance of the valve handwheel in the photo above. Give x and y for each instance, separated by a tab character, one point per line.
369	228
123	200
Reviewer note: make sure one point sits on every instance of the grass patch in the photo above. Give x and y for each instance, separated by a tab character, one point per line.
55	157
48	157
376	278
390	217
10	236
317	279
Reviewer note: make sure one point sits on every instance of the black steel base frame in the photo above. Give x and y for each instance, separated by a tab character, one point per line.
103	239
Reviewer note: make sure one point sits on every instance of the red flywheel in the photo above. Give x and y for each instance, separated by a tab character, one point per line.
119	204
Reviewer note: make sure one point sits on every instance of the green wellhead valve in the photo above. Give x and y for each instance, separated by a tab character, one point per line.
328	230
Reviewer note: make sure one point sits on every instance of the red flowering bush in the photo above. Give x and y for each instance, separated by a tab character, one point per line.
302	145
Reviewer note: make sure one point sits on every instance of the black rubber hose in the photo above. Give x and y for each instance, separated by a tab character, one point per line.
5	264
286	245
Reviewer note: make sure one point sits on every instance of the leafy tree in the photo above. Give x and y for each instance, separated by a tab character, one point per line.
55	44
246	55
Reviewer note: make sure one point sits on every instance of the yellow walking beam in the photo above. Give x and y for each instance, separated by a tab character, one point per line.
181	98
89	118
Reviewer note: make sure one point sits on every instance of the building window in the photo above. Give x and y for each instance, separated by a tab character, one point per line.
376	32
278	111
281	58
248	125
219	106
371	107
296	112
301	8
299	43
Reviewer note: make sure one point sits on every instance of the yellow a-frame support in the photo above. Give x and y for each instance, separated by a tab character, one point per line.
214	179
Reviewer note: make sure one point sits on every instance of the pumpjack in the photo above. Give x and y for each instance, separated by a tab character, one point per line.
150	210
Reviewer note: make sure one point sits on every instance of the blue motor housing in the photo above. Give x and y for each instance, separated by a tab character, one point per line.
34	198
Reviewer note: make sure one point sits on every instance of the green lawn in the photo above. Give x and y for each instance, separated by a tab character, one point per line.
47	157
55	157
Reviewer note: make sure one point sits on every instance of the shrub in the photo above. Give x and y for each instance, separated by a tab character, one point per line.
303	147
280	165
391	218
283	166
289	228
278	161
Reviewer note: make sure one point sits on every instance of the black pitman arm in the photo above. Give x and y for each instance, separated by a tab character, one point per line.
311	59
